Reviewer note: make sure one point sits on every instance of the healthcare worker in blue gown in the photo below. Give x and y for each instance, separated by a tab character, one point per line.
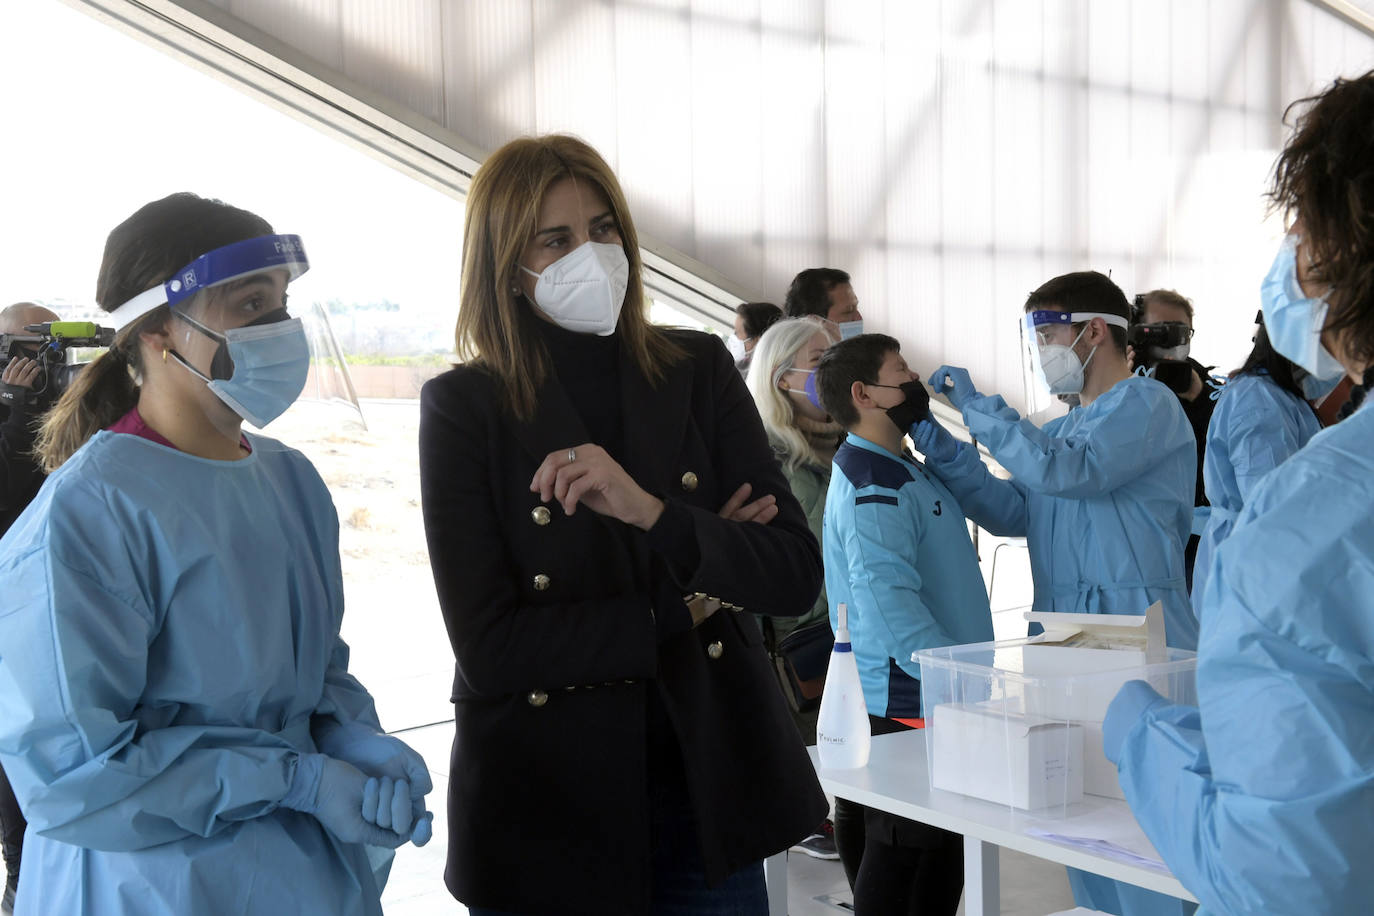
1103	495
1262	418
1261	799
176	712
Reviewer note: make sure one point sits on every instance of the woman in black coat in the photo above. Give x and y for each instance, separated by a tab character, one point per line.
621	744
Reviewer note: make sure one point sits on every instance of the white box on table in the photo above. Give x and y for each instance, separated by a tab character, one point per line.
1065	677
1023	762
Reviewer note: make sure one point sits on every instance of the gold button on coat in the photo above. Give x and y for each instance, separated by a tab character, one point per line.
537	698
716	649
689	481
541	516
541	583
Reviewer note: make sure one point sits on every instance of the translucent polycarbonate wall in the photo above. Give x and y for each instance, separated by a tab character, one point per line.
950	154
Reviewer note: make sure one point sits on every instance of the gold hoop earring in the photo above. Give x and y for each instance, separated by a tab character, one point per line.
164	354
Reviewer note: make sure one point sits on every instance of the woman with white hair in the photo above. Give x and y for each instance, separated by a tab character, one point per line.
802	434
782	380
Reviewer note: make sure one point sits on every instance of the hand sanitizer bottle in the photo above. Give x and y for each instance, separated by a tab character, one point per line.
842	732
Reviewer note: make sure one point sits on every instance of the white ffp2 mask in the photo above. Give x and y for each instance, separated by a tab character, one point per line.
584	290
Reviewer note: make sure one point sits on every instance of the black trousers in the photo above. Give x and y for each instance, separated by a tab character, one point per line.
896	866
12	827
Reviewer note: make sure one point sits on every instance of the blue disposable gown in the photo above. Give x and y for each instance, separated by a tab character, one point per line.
1261	800
1256	426
170	629
1104	497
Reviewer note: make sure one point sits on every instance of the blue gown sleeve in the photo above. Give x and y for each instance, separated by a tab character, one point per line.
345	700
1258	442
880	547
1259	811
1102	453
87	771
996	505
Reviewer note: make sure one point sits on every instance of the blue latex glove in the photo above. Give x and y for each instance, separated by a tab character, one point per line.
389	804
934	441
953	383
333	791
382	756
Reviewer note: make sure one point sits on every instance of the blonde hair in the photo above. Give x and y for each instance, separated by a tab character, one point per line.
775	353
494	326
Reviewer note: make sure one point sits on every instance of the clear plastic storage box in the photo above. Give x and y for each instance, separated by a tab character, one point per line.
1019	722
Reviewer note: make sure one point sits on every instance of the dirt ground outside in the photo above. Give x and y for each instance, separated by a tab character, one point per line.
400	649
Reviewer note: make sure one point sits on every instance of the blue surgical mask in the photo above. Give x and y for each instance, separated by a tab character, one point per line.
1313	388
270	365
1294	321
850	329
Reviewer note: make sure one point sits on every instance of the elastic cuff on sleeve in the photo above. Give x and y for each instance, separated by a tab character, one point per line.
1132	702
304	790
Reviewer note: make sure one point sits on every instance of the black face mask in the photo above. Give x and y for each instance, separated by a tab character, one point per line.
913	410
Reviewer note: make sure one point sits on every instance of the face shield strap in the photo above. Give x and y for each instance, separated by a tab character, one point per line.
222	265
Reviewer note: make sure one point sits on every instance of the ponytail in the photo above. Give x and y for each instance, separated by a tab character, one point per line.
99	395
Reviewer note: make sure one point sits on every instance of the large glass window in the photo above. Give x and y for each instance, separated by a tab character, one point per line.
82	153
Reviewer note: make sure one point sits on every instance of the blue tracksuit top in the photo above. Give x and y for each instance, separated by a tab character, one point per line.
897	552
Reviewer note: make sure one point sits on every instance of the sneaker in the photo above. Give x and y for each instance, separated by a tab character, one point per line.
819	845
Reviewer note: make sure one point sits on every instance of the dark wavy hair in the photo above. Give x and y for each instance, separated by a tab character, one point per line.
1325	178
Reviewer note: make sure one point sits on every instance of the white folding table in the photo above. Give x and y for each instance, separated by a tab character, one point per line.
896	780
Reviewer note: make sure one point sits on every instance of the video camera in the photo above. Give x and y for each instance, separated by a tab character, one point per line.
1155	346
47	344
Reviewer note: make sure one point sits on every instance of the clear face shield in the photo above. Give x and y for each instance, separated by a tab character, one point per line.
1053	369
231	328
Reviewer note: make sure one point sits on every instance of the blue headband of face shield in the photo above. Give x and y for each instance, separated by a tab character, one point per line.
230	262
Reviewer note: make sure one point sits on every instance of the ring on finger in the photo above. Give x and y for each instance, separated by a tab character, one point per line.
572	455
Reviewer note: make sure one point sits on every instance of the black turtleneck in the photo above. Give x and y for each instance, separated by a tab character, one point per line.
588	370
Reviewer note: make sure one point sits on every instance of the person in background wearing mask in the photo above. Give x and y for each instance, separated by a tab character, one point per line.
751	320
572	473
20	477
1261	799
1103	495
178	719
826	293
804	438
1262	418
898	553
1165	316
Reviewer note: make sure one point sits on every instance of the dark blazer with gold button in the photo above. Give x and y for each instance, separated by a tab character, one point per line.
560	624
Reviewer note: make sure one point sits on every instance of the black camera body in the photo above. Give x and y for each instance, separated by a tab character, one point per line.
48	344
1145	338
1150	343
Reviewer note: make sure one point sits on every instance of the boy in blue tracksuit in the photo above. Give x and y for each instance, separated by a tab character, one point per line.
897	552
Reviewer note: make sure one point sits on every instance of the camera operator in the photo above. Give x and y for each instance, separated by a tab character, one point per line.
20	478
22	373
1160	339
